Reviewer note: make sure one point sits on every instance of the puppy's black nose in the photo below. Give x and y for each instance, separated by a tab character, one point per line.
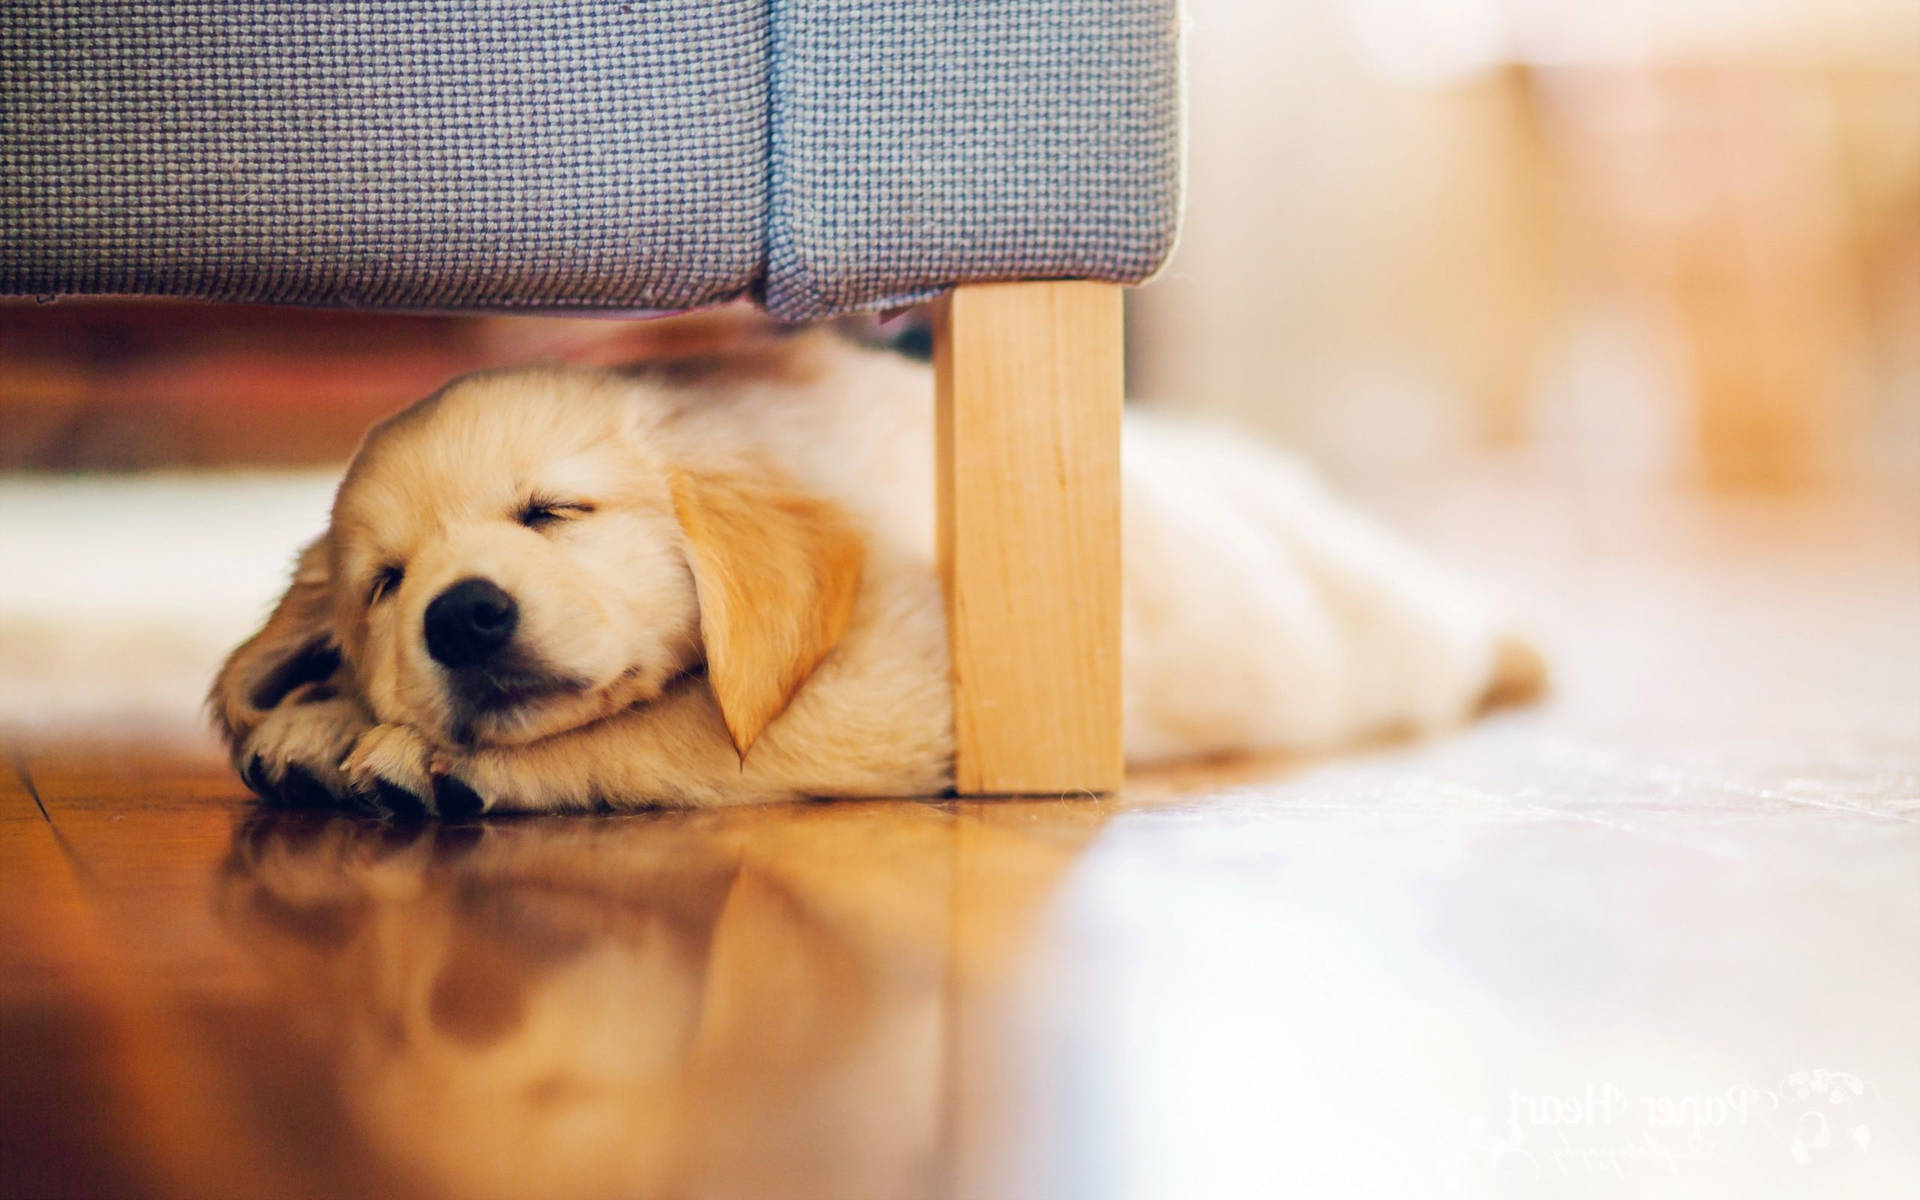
468	622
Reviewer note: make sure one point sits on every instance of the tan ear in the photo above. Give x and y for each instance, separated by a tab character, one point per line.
776	574
294	647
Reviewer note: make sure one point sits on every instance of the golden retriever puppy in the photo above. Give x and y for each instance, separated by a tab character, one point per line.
714	583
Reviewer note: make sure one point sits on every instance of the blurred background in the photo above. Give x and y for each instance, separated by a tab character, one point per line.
1678	237
1631	244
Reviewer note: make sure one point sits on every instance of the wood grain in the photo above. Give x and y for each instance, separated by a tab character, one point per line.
1029	384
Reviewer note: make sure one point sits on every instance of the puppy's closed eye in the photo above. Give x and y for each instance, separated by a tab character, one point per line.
539	512
385	580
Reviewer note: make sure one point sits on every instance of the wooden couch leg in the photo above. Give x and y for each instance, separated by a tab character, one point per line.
1029	393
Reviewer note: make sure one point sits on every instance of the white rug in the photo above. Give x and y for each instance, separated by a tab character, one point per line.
120	594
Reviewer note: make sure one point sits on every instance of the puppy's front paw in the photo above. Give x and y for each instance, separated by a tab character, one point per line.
293	756
394	767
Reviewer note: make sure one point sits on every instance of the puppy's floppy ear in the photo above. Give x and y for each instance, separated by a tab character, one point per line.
294	647
776	573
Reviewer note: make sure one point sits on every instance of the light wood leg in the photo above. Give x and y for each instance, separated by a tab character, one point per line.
1029	386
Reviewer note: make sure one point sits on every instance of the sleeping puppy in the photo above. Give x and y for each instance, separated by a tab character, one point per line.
714	583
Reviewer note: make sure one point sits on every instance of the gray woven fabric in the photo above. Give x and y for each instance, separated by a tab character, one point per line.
921	144
582	153
402	153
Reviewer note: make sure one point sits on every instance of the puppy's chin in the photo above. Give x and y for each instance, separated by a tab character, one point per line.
513	719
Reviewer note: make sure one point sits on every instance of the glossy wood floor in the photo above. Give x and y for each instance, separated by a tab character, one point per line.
1659	936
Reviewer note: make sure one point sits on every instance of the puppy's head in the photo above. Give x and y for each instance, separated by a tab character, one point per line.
526	552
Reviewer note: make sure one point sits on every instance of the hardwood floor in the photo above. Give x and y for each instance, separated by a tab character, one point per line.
1654	937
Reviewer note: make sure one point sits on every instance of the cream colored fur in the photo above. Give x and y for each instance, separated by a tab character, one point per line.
1260	614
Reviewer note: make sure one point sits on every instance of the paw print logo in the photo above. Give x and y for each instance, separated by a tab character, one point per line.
1833	1114
1508	1154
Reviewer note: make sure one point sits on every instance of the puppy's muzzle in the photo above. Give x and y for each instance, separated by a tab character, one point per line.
469	622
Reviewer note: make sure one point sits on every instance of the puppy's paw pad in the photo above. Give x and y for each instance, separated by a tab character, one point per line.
455	799
253	773
397	801
301	789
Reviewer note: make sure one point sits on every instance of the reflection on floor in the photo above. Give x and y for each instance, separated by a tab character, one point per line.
1654	937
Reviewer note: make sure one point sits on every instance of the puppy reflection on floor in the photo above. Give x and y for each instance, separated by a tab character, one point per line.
624	1006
